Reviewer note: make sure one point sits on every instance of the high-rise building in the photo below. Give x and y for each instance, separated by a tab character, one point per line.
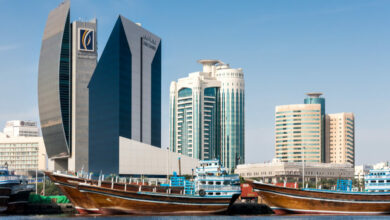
207	114
315	98
340	138
19	128
124	96
67	60
304	131
195	115
21	148
298	133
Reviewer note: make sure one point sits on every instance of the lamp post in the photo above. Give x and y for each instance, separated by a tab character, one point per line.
44	176
303	167
36	180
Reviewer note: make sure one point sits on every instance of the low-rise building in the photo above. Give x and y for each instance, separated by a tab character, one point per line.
21	153
362	170
18	128
277	171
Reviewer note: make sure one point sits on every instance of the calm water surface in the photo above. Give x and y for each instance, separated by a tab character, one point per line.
307	217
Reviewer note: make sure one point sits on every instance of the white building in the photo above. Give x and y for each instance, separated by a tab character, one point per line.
207	114
137	158
381	165
22	153
18	128
362	170
277	171
21	148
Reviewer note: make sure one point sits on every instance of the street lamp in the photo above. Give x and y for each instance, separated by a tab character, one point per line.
44	176
303	167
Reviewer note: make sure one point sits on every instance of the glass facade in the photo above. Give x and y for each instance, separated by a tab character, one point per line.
54	83
110	102
314	98
66	81
155	124
207	115
197	117
232	128
112	96
211	134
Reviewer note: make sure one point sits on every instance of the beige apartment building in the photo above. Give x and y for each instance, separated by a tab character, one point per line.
340	138
298	132
22	153
278	171
21	148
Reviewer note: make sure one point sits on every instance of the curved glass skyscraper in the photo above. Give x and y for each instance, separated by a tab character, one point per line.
54	83
67	60
207	114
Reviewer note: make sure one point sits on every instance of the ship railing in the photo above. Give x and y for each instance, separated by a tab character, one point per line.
217	178
378	184
219	188
376	177
7	178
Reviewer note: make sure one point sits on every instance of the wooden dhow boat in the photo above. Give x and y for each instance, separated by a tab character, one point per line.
212	191
313	201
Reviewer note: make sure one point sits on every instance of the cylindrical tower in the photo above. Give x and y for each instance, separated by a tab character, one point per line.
232	123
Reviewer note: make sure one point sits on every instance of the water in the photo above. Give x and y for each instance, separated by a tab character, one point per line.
192	217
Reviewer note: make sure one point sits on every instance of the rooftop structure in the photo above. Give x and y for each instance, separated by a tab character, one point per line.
18	128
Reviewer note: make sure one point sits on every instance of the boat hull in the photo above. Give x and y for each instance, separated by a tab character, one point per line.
68	186
18	201
5	193
111	201
108	198
288	200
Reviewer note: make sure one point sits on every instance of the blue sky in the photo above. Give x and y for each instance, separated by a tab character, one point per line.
286	48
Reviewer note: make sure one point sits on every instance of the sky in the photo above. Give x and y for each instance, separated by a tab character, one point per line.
286	49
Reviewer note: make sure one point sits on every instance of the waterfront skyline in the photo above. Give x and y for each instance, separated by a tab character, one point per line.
339	48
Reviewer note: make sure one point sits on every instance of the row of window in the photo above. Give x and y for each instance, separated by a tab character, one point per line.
297	111
291	128
301	115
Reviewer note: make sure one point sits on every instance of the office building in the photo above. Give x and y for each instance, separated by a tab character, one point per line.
277	171
19	128
195	115
298	133
315	98
67	60
304	131
207	114
340	138
21	148
124	97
